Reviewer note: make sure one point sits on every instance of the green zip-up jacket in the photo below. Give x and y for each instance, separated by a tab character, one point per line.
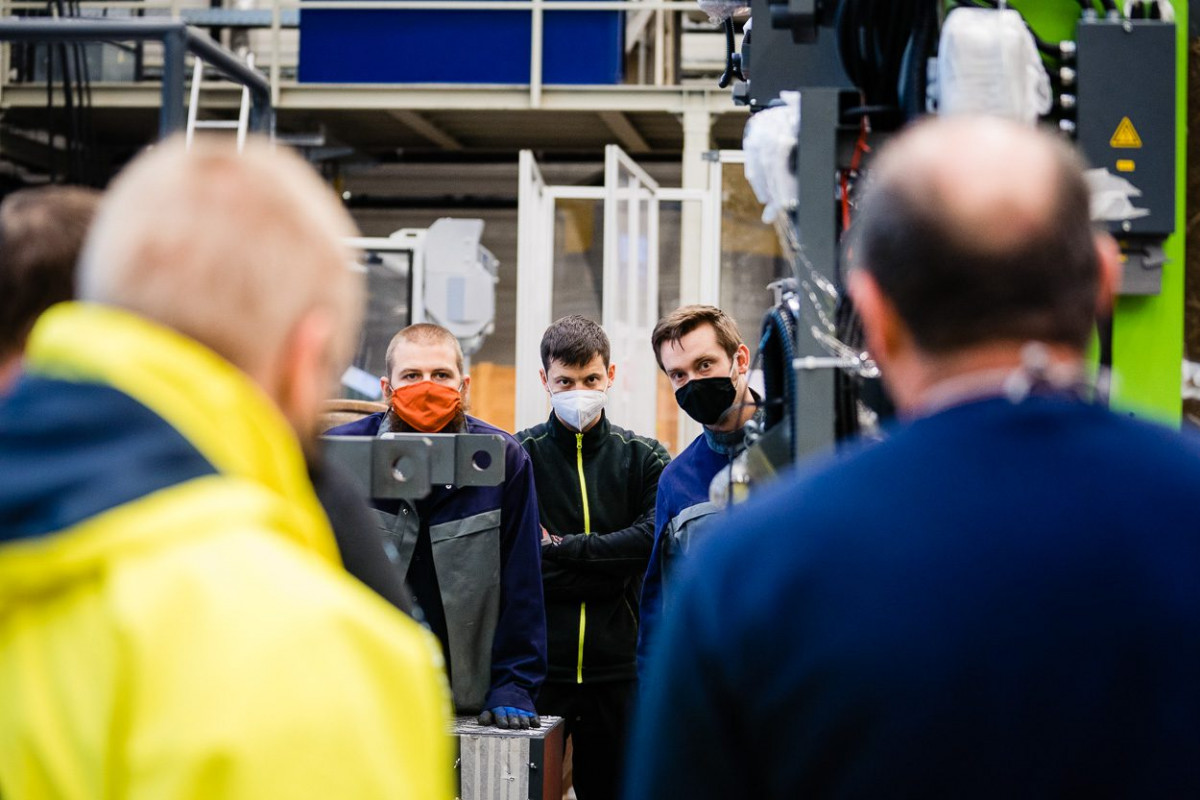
596	490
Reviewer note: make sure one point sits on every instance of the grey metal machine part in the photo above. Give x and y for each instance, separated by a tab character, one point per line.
460	278
407	465
789	52
439	274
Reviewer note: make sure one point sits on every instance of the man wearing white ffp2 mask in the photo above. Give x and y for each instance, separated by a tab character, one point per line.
579	409
596	486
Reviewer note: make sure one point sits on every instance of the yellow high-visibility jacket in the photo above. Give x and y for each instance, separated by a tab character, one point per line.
174	618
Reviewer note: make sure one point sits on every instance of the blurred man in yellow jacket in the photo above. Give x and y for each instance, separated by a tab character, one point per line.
174	619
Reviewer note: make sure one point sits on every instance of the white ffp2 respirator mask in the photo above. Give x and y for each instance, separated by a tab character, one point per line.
579	408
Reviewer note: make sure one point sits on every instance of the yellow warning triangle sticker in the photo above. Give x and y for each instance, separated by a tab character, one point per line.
1126	135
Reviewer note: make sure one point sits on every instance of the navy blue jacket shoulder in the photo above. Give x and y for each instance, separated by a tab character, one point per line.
57	475
1000	601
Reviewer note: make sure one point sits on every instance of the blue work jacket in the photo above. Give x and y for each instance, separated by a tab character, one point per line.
473	559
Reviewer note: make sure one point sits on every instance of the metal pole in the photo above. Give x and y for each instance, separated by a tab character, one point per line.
813	412
660	46
171	116
275	46
194	102
29	29
535	58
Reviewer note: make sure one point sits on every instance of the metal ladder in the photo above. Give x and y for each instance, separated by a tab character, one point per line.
241	125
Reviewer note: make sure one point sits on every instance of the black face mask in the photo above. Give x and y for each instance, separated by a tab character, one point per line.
706	399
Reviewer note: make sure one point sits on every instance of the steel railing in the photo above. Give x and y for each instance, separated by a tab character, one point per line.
178	39
284	13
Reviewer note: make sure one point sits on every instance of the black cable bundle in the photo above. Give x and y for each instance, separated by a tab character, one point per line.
1146	10
777	351
76	118
87	144
733	59
852	391
848	327
884	46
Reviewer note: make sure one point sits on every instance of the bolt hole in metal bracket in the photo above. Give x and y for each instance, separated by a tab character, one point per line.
408	465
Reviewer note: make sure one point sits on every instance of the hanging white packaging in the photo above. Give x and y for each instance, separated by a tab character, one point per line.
1112	197
988	63
768	142
720	10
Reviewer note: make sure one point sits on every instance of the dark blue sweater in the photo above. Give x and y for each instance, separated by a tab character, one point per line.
999	601
519	643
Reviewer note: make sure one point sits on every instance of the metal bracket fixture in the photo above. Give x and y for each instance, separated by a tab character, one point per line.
408	465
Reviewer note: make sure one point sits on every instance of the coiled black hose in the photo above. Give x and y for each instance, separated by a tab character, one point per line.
777	351
884	46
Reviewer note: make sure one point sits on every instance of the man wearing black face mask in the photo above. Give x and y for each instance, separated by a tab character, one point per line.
702	353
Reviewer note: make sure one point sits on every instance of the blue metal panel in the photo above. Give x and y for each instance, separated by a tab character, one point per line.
482	47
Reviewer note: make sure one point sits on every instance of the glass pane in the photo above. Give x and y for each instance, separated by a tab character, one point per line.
578	258
751	257
625	246
670	216
387	310
644	316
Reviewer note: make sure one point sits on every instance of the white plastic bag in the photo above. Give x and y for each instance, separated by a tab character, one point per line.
988	63
721	10
1111	197
768	142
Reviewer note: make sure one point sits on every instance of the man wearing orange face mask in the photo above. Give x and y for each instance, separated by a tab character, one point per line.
471	554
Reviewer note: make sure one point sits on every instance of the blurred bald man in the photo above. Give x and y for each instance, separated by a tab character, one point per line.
998	601
174	618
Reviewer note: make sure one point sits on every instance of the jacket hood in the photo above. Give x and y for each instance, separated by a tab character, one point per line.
128	415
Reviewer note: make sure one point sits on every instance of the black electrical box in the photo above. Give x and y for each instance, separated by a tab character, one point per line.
1126	114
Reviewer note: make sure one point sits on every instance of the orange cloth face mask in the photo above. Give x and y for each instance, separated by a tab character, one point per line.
426	406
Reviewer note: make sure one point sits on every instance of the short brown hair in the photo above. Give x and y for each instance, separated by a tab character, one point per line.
423	333
41	233
685	319
574	341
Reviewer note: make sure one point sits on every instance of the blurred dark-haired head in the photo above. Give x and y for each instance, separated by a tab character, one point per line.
42	231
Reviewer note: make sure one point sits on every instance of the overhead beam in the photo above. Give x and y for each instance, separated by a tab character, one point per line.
663	99
364	97
424	128
631	141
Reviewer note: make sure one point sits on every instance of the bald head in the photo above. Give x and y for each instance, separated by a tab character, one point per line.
229	249
977	230
992	182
